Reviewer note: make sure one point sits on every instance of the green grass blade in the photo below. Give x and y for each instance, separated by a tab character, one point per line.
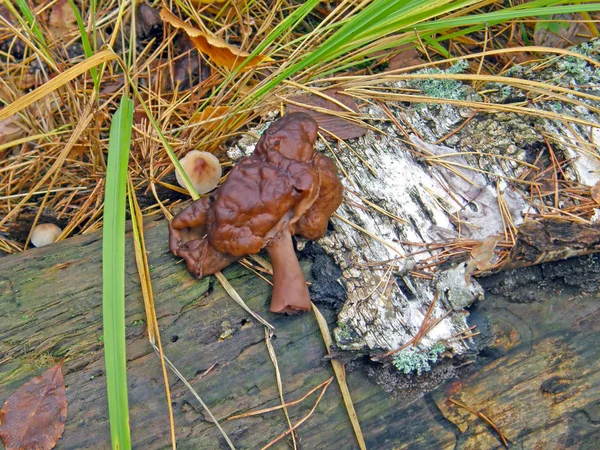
85	41
27	20
30	18
504	15
113	274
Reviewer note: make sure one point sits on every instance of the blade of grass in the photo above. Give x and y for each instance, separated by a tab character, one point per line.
28	21
273	357
85	41
195	394
234	295
113	274
340	374
503	15
56	82
143	267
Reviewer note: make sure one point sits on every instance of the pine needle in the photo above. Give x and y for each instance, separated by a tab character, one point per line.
271	350
236	297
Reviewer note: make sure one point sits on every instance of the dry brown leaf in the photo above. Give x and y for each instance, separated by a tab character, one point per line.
596	192
406	58
10	130
338	126
34	417
558	34
62	18
147	21
208	115
483	253
219	51
482	256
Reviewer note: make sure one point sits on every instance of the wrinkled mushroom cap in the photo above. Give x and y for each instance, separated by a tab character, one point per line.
45	234
202	168
313	223
255	202
281	189
293	136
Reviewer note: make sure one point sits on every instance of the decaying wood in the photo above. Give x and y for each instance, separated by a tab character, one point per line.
51	308
540	382
546	240
539	337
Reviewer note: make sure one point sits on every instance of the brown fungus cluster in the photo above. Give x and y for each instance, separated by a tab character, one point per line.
283	188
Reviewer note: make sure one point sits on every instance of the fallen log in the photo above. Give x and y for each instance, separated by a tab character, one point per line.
545	347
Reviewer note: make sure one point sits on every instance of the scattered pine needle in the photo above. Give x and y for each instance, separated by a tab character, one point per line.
287	405
235	296
271	350
484	418
301	421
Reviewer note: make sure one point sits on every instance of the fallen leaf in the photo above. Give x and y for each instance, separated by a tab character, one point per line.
407	57
10	130
219	51
34	416
596	192
482	256
221	113
560	33
148	22
483	253
189	67
342	128
62	18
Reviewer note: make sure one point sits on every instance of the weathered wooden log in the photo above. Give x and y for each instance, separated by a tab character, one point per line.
537	380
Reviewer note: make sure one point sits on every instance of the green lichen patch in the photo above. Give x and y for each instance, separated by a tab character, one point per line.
449	89
412	360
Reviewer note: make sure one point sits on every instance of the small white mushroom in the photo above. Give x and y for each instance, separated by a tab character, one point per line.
202	168
45	234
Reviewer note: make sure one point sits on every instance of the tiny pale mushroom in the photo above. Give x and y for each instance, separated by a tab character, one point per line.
202	168
45	234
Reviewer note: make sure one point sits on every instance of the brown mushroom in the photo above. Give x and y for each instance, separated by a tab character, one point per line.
283	188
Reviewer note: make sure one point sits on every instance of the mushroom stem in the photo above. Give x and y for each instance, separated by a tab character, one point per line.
290	293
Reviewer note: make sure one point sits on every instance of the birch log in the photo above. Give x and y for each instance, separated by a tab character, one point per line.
435	173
